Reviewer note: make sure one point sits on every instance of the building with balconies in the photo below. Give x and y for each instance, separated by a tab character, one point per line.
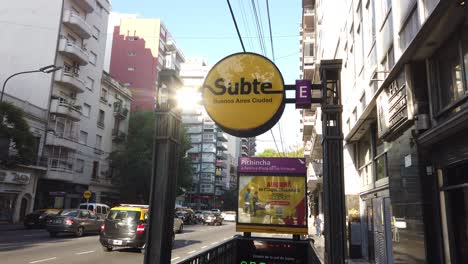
69	34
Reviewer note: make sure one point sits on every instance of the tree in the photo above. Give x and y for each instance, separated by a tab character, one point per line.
295	151
15	129
133	162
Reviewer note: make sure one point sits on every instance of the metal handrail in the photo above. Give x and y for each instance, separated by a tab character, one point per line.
225	253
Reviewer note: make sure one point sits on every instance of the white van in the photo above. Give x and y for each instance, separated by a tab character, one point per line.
99	209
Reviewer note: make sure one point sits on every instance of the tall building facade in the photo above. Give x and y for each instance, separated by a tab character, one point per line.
65	109
208	152
404	109
248	146
141	48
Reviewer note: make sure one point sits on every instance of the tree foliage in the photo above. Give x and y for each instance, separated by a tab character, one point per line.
15	128
133	162
292	152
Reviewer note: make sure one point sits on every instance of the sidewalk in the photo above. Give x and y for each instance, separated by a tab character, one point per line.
11	227
319	246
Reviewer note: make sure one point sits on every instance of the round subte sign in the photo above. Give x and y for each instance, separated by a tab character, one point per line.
87	194
244	94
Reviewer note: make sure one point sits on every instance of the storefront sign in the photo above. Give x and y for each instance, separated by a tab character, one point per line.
244	94
14	177
303	94
272	165
392	107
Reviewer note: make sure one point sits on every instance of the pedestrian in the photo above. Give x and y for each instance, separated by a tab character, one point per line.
255	200
247	201
318	226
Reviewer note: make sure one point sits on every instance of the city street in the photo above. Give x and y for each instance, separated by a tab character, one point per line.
35	246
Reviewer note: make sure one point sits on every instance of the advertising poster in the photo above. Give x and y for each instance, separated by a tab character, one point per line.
272	200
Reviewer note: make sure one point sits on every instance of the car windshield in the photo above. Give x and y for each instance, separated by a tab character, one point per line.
69	213
123	215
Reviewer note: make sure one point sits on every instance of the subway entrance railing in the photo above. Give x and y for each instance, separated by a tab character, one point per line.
257	250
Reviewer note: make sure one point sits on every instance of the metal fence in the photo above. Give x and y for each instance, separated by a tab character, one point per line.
222	254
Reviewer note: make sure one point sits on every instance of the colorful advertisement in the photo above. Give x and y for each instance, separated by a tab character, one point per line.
272	200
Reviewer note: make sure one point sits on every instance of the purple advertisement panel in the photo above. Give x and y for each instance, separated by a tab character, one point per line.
272	165
303	94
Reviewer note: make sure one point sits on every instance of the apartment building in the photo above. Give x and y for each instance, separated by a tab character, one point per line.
70	34
404	109
114	114
248	147
141	49
208	152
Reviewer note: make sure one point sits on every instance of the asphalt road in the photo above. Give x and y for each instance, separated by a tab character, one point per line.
35	246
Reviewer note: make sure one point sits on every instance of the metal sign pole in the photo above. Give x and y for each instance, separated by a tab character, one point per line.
333	168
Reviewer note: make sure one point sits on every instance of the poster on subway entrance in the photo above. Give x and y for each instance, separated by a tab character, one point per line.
272	204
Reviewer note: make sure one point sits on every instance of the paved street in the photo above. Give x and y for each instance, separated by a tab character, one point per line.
35	246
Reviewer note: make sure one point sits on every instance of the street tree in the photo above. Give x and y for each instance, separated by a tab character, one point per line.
15	135
294	151
132	163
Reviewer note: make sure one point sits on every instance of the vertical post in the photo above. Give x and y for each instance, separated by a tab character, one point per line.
160	231
333	171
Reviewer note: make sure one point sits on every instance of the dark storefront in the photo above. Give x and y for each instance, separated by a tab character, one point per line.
58	194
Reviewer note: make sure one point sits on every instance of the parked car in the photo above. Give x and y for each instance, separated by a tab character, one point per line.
99	209
39	217
187	215
216	211
213	219
76	221
229	216
124	226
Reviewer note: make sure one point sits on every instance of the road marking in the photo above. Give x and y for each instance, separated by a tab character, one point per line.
191	252
204	247
175	258
42	260
86	252
214	243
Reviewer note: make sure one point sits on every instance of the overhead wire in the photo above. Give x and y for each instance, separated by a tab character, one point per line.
246	25
235	24
257	23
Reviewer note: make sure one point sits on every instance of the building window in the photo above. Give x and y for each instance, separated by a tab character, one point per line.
131	53
131	68
90	83
196	167
206	188
208	167
79	165
86	110
132	38
308	49
96	33
195	138
365	159
101	117
208	157
385	7
98	142
381	166
209	137
451	65
95	169
83	137
103	95
99	9
92	58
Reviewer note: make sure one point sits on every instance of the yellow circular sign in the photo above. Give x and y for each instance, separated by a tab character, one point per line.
87	194
244	94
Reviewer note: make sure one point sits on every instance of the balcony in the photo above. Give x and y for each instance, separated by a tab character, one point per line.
219	183
77	24
86	5
221	173
244	140
221	146
245	154
245	147
105	4
62	108
314	174
221	164
118	136
73	51
308	122
309	19
120	111
62	140
219	192
222	136
60	169
192	119
221	155
70	80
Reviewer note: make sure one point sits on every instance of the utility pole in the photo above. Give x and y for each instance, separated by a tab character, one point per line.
333	168
165	171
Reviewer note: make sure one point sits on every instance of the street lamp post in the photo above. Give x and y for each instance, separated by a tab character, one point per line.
46	69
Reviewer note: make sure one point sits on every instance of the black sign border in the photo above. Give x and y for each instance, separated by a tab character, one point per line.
265	126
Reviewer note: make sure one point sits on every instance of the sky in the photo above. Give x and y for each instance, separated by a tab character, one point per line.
205	28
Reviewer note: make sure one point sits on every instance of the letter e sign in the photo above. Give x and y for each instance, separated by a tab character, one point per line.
303	94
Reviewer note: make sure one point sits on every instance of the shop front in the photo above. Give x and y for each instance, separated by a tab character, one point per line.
58	194
17	192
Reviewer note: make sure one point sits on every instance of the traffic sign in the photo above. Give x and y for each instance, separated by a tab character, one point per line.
244	94
87	194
